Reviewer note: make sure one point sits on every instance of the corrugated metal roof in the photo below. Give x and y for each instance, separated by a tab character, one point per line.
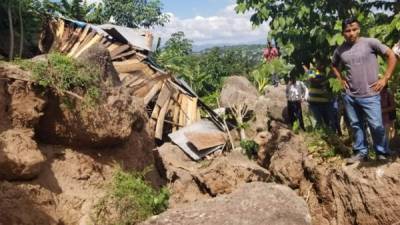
128	35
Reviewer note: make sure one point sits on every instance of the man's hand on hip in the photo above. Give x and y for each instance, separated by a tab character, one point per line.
379	85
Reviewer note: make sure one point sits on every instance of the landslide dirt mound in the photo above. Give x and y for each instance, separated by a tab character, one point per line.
42	183
366	193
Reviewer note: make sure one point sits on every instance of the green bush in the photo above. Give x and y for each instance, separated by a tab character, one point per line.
63	73
132	200
250	148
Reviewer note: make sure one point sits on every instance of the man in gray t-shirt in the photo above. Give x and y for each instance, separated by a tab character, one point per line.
358	57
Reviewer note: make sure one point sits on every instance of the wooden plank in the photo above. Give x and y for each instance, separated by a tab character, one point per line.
142	91
160	120
164	95
206	140
119	50
129	66
125	54
59	33
80	40
175	111
107	44
71	41
189	104
154	90
193	110
85	41
113	46
94	40
156	111
123	76
182	111
67	33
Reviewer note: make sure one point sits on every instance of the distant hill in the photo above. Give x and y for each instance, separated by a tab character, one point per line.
253	51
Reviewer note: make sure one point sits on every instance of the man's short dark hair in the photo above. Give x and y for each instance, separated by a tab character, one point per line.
349	21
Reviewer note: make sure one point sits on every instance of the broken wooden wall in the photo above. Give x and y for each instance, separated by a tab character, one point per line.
170	105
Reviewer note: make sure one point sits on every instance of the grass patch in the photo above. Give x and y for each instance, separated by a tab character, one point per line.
130	200
63	74
326	144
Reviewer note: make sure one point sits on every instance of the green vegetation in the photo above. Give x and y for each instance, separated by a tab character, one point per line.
261	76
205	71
312	29
250	148
64	74
132	199
323	143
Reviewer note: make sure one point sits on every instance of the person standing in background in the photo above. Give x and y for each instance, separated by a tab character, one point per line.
296	92
388	113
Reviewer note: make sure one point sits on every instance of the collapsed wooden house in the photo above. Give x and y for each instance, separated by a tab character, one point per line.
171	103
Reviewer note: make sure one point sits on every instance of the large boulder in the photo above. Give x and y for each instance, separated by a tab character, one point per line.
275	102
20	157
238	90
110	123
251	204
190	181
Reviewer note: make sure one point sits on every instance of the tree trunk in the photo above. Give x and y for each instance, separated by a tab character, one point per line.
11	28
21	22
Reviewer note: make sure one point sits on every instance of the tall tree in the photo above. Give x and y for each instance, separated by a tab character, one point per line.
135	13
11	29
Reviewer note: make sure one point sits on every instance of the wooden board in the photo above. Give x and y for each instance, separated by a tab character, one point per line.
182	110
94	40
85	41
202	140
130	65
59	33
119	50
80	40
71	41
164	95
125	54
160	120
154	90
113	46
175	114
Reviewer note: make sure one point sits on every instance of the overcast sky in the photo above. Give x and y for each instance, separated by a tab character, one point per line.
209	22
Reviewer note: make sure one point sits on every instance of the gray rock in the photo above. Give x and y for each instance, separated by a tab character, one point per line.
251	204
190	181
238	90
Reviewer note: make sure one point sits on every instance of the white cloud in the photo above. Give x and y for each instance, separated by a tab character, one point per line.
226	27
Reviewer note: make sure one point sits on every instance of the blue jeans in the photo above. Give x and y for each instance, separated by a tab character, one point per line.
369	108
323	113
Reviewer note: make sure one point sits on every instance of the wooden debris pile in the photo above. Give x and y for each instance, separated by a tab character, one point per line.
171	104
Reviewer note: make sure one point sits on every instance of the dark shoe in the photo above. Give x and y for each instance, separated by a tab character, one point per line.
356	158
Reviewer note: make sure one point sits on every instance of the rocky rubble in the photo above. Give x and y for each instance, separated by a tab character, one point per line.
336	194
190	181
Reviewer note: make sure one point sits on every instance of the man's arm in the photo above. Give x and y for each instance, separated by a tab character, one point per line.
391	64
339	76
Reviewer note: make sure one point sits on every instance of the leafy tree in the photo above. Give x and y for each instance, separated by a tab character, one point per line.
311	29
261	76
76	9
134	13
